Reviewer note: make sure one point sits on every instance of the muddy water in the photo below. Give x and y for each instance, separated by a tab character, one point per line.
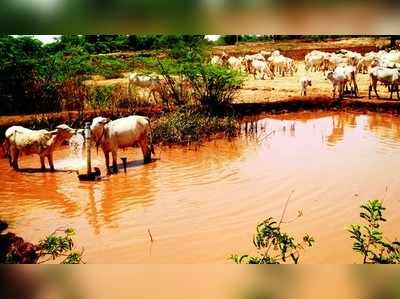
201	203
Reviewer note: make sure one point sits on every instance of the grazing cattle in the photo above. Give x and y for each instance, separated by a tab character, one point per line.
121	133
339	79
144	81
390	77
235	63
257	66
314	60
41	142
366	62
350	72
216	60
265	54
304	83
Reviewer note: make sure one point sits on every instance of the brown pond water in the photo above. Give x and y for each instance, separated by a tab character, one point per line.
202	203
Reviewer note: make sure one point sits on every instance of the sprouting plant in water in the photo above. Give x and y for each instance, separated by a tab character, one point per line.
73	258
369	240
274	246
57	245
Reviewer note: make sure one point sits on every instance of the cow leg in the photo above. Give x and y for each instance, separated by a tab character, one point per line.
144	145
397	91
391	87
50	159
42	166
369	91
114	157
376	93
107	158
15	154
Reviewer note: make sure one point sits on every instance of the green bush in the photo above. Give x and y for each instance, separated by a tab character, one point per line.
100	97
274	246
214	86
369	241
187	125
109	67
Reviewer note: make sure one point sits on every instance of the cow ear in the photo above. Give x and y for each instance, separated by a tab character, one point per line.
53	132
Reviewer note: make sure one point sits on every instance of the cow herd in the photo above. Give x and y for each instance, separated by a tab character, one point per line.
340	68
264	64
109	135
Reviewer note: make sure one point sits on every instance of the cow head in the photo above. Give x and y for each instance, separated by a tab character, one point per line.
63	132
97	128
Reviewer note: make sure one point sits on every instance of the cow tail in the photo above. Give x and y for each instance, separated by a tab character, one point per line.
151	138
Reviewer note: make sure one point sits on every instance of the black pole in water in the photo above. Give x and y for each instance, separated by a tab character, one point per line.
124	161
89	176
88	158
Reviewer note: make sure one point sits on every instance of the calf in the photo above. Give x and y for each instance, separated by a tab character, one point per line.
304	83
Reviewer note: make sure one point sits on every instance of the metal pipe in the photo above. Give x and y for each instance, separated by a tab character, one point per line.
87	139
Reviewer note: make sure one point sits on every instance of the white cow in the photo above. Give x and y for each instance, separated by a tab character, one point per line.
216	60
339	79
390	77
151	82
41	142
350	71
259	67
121	133
7	134
235	63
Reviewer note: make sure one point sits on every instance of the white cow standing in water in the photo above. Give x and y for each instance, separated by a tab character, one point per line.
121	133
41	142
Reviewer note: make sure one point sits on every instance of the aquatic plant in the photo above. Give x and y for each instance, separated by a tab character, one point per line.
274	246
369	240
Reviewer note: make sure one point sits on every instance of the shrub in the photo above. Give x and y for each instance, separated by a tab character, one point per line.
14	250
187	125
214	86
273	245
369	241
109	67
100	97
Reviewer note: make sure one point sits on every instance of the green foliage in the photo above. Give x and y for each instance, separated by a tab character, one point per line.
57	245
214	86
187	125
369	240
109	67
228	39
32	74
101	96
274	246
73	258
